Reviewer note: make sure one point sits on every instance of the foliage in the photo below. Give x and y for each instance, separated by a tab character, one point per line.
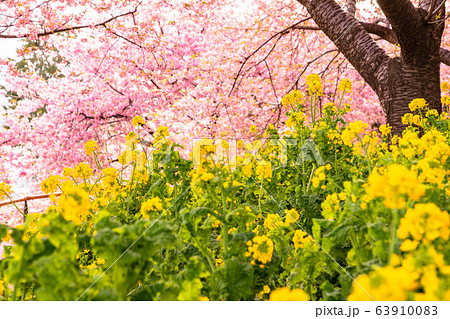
283	221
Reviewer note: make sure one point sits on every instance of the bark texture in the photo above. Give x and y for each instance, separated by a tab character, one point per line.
351	7
396	81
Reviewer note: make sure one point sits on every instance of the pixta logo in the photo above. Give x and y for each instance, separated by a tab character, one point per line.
227	151
141	150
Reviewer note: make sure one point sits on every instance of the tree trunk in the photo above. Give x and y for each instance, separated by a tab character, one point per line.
396	81
404	83
416	74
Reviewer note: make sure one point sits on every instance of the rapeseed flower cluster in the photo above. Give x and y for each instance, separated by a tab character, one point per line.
110	176
385	129
294	98
138	121
74	204
430	171
5	189
314	85
301	238
331	204
82	171
261	249
353	130
291	216
264	291
50	185
423	223
418	105
264	172
345	85
90	147
385	283
295	119
288	294
152	204
2	287
395	185
320	176
273	221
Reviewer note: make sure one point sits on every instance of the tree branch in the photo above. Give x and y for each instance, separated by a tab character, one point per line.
444	56
383	32
439	8
430	10
350	38
351	7
278	34
43	34
406	22
387	35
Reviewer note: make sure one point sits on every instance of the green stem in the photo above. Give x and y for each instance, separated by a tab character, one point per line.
340	101
225	226
310	178
393	235
225	240
14	204
355	245
205	254
25	288
97	162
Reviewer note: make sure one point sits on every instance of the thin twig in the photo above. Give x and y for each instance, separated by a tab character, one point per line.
28	198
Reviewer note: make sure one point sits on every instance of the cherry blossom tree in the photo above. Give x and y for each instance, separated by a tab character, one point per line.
396	80
202	68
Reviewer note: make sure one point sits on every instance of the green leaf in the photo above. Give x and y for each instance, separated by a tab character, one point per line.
233	281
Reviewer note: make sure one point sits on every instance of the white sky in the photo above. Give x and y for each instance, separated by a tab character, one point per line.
8	47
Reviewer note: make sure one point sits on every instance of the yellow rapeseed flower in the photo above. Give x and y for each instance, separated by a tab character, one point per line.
74	203
445	100
50	184
82	171
314	84
345	85
385	129
292	99
286	294
2	287
424	222
264	172
396	185
301	238
387	283
153	204
261	249
90	147
137	120
5	189
418	104
291	216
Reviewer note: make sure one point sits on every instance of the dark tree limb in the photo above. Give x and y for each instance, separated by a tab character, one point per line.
387	35
43	34
350	37
351	7
444	56
405	21
430	10
383	32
